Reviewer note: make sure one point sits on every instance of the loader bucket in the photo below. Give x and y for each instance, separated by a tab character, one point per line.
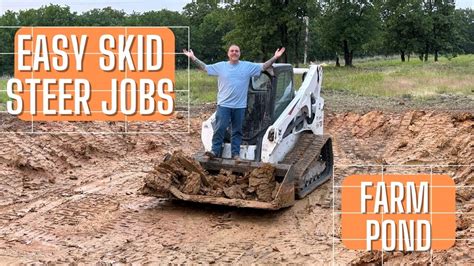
285	195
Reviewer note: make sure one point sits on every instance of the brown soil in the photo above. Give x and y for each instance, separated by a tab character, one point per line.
187	175
71	198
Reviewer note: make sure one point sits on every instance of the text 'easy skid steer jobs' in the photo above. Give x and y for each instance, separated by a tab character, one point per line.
284	153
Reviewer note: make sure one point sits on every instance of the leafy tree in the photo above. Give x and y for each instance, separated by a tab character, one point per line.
442	35
196	12
405	26
465	24
255	37
316	46
445	34
210	33
156	18
260	27
198	9
7	37
50	15
102	17
165	18
295	14
349	24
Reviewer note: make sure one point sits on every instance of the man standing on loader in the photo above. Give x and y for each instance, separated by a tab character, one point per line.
233	79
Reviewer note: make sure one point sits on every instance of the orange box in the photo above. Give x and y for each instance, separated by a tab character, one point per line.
100	80
440	193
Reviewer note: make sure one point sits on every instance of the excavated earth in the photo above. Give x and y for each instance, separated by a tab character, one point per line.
75	198
185	174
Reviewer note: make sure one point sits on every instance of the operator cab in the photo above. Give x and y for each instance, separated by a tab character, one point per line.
268	95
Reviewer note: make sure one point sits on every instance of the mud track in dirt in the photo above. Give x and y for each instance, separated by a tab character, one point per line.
74	198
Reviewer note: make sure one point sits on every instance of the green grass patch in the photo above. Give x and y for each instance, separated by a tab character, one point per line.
376	77
203	88
388	78
3	90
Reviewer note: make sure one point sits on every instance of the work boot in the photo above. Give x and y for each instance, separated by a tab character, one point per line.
210	154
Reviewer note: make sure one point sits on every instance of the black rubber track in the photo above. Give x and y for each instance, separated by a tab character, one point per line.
309	153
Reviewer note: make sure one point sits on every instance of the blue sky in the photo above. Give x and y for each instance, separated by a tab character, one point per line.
127	5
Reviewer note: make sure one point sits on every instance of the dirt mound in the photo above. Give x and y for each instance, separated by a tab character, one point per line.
184	173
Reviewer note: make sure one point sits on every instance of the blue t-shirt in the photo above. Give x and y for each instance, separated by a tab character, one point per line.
233	81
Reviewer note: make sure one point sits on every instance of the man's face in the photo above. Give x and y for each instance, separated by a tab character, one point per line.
233	53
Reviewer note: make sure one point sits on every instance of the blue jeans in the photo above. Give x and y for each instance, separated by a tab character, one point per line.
224	117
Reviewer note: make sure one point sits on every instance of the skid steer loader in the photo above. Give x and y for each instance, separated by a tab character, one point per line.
282	127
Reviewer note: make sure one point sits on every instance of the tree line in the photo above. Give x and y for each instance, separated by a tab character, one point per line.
311	30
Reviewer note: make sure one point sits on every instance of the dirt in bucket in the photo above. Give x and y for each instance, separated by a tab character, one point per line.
187	175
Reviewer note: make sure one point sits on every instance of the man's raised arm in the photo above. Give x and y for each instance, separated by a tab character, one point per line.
200	64
272	60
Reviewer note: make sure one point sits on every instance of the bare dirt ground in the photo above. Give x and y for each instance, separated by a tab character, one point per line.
74	197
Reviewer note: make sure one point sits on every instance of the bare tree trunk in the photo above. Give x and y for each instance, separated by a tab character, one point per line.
306	33
436	56
337	61
402	55
284	40
426	52
297	54
347	55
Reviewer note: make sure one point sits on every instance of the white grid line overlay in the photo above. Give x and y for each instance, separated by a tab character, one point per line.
57	90
333	216
466	239
415	186
126	75
79	131
443	239
382	212
436	213
32	77
100	53
189	80
431	208
406	165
